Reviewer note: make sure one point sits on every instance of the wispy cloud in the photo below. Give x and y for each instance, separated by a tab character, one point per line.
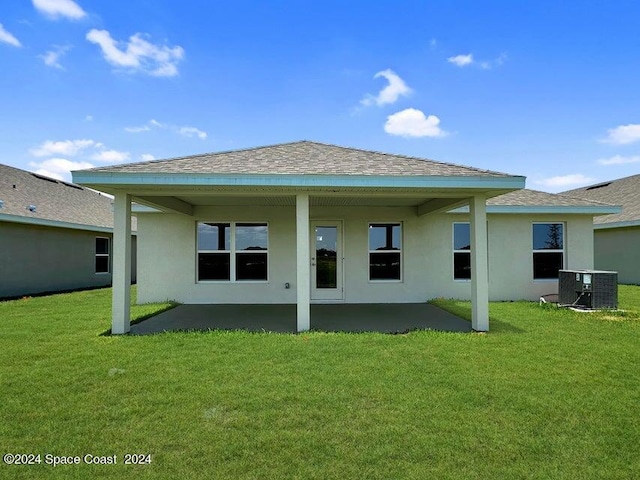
192	132
64	147
59	168
389	94
619	160
623	134
110	156
52	57
184	130
461	60
60	8
468	60
413	123
6	37
561	182
138	54
147	157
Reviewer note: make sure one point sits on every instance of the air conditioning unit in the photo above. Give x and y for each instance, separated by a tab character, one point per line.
588	289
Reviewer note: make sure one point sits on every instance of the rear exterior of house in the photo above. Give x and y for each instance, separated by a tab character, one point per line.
351	261
305	223
54	236
617	236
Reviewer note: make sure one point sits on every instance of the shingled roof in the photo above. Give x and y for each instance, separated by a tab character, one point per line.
624	191
29	196
526	197
298	158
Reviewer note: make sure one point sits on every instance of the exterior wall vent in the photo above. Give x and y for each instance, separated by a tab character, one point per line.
31	208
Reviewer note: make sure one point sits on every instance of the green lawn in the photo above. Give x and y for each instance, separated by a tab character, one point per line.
547	394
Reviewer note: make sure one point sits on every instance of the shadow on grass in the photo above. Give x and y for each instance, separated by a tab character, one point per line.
462	309
144	317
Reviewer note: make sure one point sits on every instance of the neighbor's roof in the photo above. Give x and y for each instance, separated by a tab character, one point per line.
300	158
54	203
534	201
624	191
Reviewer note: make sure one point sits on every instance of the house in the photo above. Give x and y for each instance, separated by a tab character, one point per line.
617	236
54	235
308	222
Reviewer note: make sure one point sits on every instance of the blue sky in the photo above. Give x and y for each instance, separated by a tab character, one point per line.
544	89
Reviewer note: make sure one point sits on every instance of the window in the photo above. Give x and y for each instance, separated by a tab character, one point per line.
232	251
548	250
102	255
461	251
385	251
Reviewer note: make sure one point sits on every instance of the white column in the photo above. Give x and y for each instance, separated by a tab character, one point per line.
120	313
303	275
479	264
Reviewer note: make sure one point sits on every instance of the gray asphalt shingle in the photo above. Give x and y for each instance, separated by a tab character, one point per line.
624	191
52	199
308	158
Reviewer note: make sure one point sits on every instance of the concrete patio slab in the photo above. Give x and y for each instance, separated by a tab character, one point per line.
386	318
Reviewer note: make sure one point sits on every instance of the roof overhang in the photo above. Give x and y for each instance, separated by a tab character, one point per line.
626	224
548	209
43	222
108	181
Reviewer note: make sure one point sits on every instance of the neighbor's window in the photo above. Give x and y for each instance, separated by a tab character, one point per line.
548	250
232	251
385	251
461	251
102	255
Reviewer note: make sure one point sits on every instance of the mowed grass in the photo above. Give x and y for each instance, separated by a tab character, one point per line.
547	394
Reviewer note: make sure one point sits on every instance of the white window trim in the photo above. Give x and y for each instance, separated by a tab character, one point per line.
369	252
232	253
563	250
453	248
108	255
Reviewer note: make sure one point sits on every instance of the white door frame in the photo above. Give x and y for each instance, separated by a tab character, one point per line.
327	294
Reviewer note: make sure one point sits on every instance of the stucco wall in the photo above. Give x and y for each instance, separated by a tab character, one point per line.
167	257
618	249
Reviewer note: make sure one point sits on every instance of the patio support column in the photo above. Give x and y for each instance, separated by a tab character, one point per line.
121	279
479	264
303	269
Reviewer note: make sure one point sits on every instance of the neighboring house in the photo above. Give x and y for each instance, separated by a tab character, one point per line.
54	235
617	236
307	222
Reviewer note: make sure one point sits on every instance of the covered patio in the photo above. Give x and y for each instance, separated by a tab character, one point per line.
384	318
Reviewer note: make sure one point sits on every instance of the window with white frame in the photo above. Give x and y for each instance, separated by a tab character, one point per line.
233	251
385	251
548	250
461	251
102	255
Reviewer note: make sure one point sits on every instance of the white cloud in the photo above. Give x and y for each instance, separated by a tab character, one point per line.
623	134
7	37
143	128
390	93
461	60
184	130
138	54
110	156
60	8
52	57
88	118
147	157
192	132
65	147
619	160
413	123
563	181
59	168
